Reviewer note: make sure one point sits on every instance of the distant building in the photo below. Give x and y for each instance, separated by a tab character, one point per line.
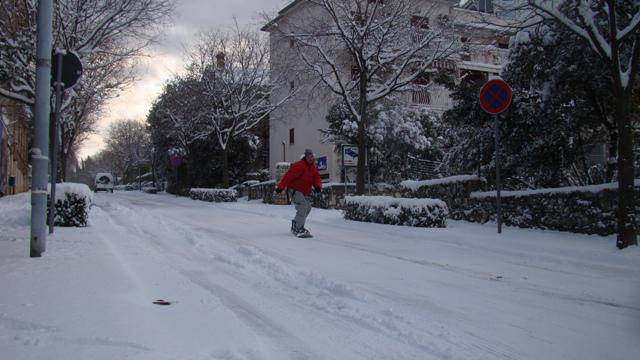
294	127
15	171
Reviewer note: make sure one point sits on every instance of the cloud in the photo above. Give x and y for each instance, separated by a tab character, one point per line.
166	58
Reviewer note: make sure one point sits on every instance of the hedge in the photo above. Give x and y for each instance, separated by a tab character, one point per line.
214	195
396	211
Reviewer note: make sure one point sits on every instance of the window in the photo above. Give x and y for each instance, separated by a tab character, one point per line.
420	22
291	136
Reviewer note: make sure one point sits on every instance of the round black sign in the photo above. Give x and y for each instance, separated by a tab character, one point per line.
71	69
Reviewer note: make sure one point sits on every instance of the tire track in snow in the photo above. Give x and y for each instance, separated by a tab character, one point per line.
282	340
381	321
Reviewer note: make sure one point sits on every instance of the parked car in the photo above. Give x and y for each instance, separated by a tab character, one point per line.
104	182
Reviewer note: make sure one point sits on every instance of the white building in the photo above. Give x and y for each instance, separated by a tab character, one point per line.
295	126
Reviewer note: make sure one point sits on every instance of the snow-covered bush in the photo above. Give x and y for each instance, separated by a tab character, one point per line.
214	195
149	189
126	187
73	202
396	211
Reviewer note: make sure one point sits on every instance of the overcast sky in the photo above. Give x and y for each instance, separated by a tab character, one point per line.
166	58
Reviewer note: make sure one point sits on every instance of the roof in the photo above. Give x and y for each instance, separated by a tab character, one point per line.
281	13
286	9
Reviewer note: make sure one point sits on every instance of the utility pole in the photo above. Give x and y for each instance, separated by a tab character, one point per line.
40	149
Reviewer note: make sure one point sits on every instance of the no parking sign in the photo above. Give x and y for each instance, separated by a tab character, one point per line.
495	97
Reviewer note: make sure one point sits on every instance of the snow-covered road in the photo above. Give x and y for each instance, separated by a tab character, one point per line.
242	287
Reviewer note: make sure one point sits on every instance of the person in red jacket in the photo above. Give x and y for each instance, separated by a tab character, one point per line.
301	177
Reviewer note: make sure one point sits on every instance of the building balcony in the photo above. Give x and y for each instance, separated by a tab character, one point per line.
435	97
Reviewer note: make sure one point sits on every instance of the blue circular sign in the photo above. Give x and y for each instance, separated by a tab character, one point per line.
495	96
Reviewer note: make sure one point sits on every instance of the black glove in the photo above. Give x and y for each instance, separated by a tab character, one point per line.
278	190
317	190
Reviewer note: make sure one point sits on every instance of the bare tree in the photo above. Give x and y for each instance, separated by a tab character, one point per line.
364	51
235	85
102	81
129	142
117	29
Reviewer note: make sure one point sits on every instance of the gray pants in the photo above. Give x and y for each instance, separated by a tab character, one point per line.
303	207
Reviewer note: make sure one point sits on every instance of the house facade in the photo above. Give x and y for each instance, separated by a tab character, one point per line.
15	171
295	126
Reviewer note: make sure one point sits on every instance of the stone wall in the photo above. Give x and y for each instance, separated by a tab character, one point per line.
454	190
587	210
264	190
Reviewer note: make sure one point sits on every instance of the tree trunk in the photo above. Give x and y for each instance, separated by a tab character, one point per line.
225	166
613	154
63	166
626	193
362	134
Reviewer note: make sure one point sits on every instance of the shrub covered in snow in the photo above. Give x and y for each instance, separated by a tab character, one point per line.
396	211
72	202
150	190
214	195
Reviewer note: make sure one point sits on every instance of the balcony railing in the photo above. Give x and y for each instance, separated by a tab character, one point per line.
435	97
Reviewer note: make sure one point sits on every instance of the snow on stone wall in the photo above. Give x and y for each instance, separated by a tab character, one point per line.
454	190
588	209
415	185
396	211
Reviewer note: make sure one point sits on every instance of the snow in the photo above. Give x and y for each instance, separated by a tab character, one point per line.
561	190
268	182
243	288
72	188
415	185
213	191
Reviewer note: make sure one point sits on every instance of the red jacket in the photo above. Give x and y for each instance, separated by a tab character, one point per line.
301	177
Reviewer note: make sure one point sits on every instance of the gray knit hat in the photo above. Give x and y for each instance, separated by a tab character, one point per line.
308	152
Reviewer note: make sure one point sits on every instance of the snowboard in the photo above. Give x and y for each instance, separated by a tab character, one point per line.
304	235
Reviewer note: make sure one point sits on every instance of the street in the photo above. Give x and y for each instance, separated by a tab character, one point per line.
242	287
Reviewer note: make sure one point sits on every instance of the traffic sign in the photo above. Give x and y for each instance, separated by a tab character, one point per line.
349	155
495	96
71	69
175	160
321	163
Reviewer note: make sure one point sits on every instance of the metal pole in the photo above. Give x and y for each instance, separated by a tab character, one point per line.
39	152
498	184
284	152
54	146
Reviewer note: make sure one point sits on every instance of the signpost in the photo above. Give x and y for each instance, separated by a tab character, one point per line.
66	70
495	97
349	159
